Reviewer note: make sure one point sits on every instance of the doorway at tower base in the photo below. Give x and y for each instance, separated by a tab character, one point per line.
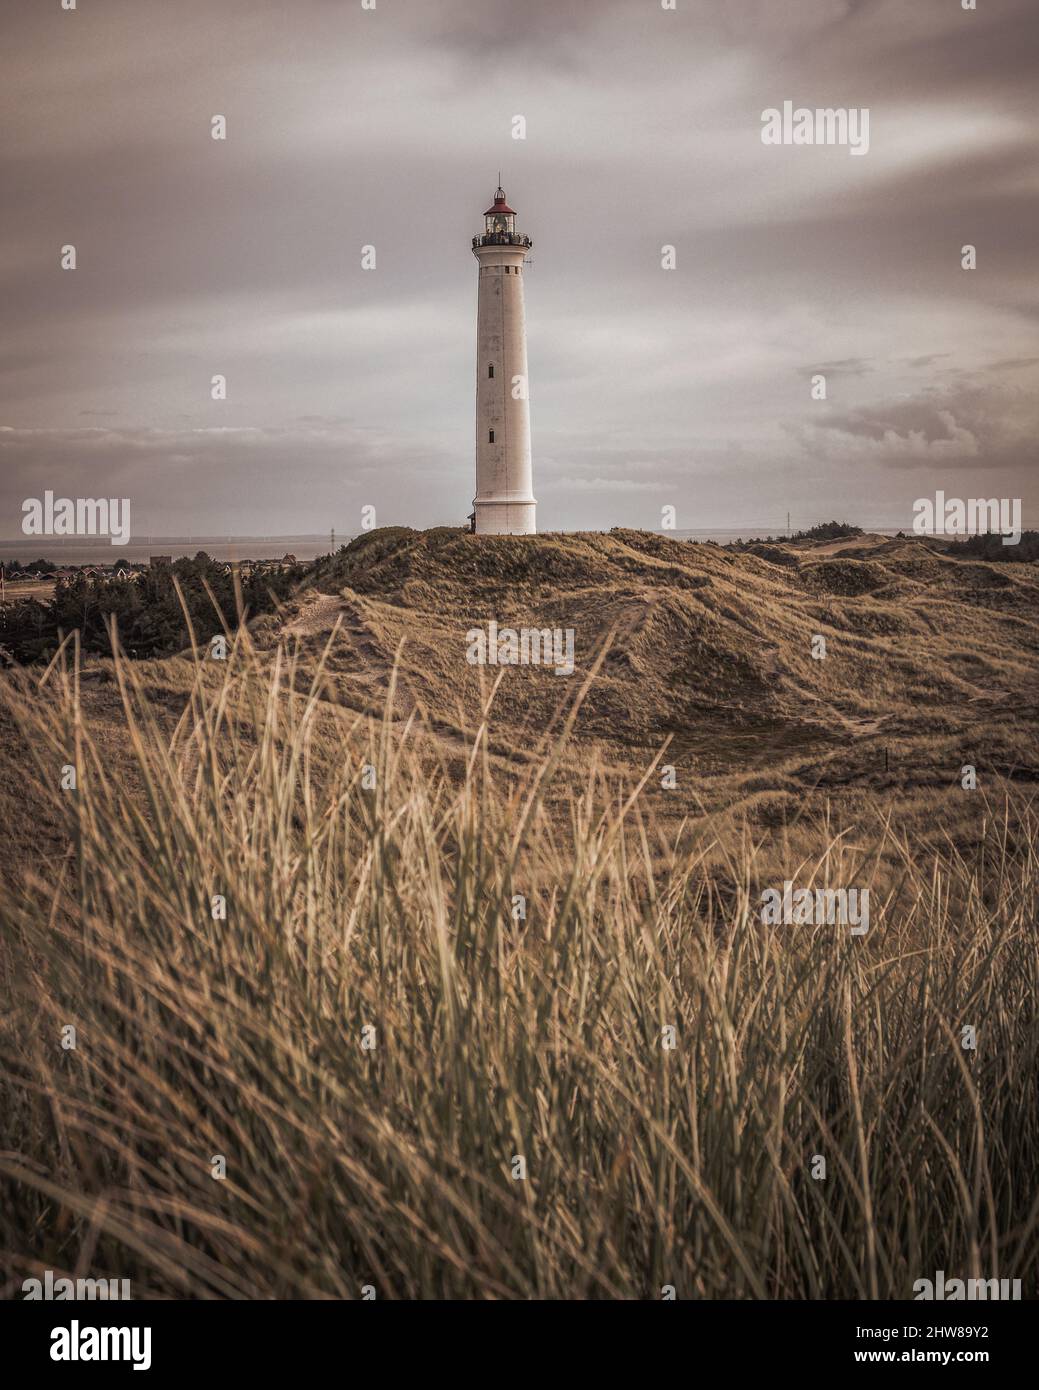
505	518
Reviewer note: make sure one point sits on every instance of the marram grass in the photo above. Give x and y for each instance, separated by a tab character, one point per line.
517	948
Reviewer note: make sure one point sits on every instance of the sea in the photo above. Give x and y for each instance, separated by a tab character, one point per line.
90	550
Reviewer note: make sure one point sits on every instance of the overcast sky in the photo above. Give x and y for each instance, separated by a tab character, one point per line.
649	387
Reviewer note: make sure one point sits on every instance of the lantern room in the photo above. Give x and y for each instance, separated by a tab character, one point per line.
499	218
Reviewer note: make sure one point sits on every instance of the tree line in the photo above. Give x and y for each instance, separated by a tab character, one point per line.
149	613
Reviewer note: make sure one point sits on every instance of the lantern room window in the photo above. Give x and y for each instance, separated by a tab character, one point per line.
499	219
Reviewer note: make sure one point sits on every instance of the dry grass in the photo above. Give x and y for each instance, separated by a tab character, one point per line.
495	1037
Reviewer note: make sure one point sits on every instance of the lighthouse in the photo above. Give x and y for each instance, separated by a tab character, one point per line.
504	502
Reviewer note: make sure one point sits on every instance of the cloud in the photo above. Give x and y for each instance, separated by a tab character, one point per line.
349	127
964	426
848	366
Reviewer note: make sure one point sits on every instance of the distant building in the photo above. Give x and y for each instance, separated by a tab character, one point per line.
288	560
157	562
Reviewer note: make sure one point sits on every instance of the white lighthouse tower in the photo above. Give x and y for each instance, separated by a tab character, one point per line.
504	502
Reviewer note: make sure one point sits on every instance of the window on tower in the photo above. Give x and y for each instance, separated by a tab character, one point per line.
490	369
490	437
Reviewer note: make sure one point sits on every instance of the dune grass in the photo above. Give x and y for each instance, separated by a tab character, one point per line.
516	949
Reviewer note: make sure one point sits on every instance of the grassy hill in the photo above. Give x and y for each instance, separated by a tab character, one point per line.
543	895
931	661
